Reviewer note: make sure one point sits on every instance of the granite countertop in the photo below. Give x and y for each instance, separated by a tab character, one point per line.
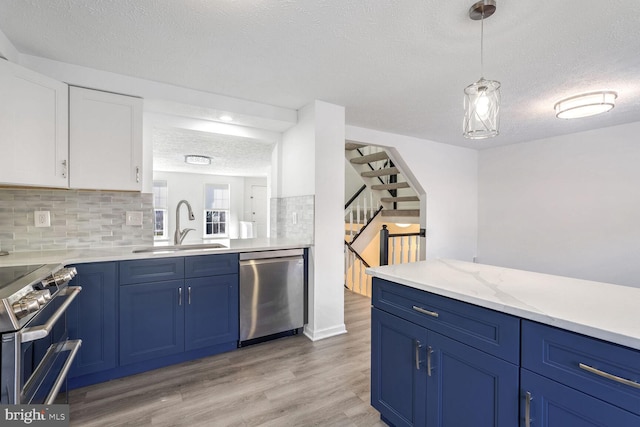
75	256
601	310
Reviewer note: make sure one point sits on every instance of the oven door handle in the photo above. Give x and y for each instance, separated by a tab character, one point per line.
73	347
39	332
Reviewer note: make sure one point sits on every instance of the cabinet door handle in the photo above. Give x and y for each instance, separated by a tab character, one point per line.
180	296
137	173
527	409
429	351
609	376
189	294
427	312
64	168
417	346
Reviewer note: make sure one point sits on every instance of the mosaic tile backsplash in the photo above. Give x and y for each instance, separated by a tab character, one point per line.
282	214
79	219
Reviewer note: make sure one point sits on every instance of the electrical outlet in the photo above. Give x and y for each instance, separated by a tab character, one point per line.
42	218
294	218
134	218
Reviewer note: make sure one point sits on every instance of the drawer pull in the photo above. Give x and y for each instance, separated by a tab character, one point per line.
418	346
609	376
180	296
527	409
429	351
427	312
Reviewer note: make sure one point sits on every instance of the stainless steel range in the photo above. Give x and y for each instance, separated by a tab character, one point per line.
35	352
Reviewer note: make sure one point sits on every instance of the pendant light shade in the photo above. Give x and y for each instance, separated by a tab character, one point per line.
482	98
482	109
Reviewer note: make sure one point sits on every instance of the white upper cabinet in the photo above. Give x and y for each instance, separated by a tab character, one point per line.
105	140
34	144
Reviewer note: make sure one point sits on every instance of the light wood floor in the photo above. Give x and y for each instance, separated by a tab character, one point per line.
287	382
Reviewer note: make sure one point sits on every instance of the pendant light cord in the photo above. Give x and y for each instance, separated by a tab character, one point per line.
482	45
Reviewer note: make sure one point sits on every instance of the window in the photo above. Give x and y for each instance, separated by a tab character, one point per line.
160	210
216	210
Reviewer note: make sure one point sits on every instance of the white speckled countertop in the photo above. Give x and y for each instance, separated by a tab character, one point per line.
76	256
601	310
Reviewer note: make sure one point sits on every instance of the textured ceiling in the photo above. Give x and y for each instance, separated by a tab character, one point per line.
230	155
396	65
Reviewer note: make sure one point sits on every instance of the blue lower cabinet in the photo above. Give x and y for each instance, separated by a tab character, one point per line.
151	320
211	314
468	387
547	403
92	317
422	378
398	372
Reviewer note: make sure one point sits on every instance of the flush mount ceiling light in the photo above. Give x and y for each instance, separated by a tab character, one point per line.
482	98
226	118
195	159
585	105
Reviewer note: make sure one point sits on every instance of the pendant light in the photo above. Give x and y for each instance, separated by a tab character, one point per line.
482	98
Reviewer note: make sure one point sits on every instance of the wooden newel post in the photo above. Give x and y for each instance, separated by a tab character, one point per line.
384	245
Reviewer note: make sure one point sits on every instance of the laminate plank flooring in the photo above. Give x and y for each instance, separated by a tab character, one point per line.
291	381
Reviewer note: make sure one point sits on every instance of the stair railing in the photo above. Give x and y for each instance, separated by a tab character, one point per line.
399	248
359	212
355	278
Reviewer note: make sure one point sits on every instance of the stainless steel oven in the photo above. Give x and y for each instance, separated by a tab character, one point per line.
35	350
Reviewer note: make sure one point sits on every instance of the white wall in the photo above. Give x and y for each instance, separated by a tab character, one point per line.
353	181
448	176
311	162
568	205
296	157
190	186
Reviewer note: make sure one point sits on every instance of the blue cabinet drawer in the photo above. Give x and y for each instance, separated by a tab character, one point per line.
582	363
151	270
495	333
210	265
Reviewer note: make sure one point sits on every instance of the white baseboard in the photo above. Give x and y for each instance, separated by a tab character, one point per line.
324	333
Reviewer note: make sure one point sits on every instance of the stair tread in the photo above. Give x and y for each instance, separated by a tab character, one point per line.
392	186
400	199
370	158
401	212
380	172
350	146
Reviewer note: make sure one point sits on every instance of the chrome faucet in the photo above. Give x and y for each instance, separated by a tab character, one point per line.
179	236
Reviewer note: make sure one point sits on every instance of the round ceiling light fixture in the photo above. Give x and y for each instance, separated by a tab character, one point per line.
226	118
585	105
196	159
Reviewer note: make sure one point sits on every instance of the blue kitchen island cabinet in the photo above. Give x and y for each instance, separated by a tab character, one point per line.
398	376
547	403
568	379
439	360
92	317
425	369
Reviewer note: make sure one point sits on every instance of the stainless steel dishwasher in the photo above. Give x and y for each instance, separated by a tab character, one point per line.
272	293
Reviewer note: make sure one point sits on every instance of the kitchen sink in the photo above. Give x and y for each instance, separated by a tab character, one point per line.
176	248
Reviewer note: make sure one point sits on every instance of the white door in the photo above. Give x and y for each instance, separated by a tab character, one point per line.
259	210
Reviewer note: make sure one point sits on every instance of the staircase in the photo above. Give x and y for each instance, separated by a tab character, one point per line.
385	181
384	193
